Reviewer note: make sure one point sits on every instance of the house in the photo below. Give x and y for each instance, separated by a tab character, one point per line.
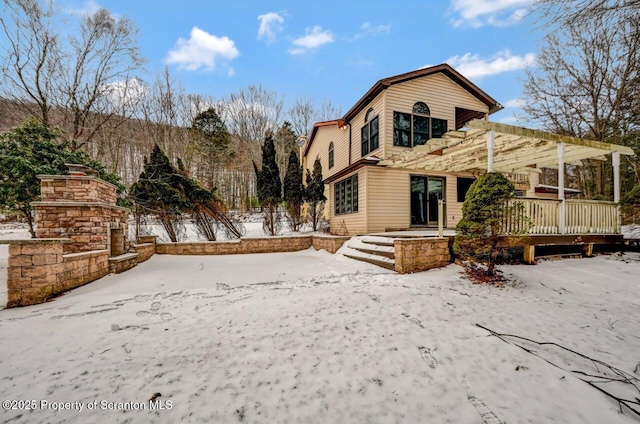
422	136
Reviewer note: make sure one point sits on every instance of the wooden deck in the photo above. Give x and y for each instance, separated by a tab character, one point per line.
544	216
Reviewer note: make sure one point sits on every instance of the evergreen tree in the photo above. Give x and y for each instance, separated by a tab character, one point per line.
484	212
168	193
630	205
314	194
33	149
294	191
211	141
158	193
269	186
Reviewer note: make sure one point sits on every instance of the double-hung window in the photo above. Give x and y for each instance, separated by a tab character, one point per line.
331	158
415	129
369	134
346	195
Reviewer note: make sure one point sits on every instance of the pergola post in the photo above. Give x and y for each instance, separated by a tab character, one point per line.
491	145
615	158
563	206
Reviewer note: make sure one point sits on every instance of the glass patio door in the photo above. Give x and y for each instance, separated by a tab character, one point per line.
425	193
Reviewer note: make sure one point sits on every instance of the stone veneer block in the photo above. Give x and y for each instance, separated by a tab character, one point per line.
253	245
421	254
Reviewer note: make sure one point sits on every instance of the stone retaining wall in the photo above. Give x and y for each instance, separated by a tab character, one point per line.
83	268
245	245
123	263
144	251
38	270
33	270
253	245
421	254
329	243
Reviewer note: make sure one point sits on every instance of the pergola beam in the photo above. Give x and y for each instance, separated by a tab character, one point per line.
515	149
527	132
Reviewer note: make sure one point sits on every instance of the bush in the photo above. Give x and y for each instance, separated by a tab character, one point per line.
630	205
33	149
485	210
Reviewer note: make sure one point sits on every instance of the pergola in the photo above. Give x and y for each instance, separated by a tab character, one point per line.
490	146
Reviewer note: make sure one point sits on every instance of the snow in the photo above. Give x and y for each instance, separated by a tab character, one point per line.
190	234
314	337
631	231
365	242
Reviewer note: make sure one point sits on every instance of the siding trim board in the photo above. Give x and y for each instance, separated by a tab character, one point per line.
353	167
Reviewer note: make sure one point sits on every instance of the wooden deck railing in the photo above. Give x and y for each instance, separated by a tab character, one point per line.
591	217
542	216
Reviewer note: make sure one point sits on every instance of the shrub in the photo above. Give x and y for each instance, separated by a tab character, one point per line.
485	210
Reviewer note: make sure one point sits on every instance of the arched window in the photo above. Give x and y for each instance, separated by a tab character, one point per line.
331	155
417	128
369	133
370	115
421	108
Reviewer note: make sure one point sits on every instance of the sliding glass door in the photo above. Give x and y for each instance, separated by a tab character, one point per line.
425	193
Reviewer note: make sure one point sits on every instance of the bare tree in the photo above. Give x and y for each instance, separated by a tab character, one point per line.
165	113
572	12
31	58
99	66
329	111
250	113
585	77
303	115
62	76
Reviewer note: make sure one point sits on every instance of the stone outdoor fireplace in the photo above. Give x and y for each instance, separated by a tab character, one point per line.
117	242
81	207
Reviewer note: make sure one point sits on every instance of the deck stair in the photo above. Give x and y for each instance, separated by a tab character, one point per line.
374	250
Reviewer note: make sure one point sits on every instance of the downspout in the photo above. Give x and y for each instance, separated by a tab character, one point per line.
349	142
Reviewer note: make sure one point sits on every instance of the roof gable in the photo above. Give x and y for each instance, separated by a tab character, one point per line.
385	83
447	70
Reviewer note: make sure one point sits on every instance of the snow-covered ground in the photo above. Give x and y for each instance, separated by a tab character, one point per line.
314	337
631	231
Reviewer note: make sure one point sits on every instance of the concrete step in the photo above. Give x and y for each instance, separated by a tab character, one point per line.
385	253
370	259
378	242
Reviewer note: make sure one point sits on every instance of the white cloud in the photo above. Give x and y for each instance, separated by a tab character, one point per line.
314	37
368	29
476	13
89	7
231	72
125	93
509	119
474	67
296	51
514	103
201	50
270	26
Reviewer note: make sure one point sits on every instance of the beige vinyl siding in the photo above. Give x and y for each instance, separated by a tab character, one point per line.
320	148
350	223
388	202
358	122
440	93
389	198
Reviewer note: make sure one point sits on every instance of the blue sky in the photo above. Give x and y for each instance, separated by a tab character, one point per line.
330	50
